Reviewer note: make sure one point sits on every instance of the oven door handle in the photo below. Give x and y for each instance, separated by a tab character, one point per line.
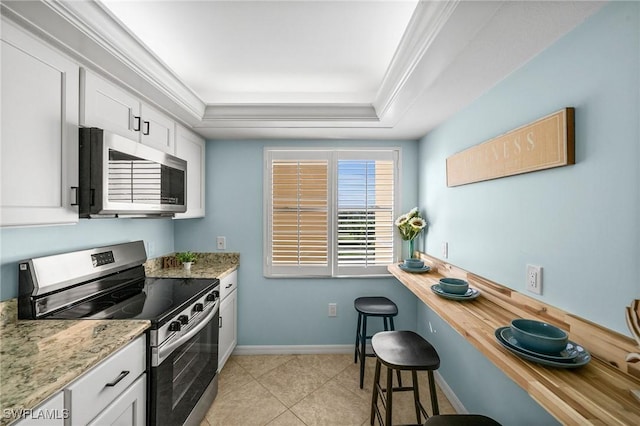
165	351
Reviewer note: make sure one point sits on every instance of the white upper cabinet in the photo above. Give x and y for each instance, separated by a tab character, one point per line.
191	147
39	132
157	130
109	107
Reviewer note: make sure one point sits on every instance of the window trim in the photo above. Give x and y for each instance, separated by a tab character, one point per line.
332	155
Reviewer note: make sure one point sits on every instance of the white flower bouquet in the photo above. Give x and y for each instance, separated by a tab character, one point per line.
410	225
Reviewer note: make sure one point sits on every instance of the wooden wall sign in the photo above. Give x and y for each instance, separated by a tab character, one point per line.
543	144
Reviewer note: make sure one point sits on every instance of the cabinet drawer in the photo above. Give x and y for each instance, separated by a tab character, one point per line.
96	389
228	284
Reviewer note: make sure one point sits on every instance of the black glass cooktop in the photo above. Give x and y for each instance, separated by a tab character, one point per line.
154	299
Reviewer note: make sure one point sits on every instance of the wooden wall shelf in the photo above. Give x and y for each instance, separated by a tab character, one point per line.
598	393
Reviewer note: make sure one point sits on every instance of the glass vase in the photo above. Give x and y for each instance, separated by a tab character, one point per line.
411	248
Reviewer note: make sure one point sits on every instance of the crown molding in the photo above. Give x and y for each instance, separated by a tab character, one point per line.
90	34
222	114
427	21
93	36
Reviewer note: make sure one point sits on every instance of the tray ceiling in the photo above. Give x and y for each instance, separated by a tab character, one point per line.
368	69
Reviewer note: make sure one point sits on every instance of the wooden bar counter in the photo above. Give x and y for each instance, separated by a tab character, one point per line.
598	393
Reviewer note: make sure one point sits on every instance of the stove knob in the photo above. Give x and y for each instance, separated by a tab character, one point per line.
211	297
198	307
183	319
174	326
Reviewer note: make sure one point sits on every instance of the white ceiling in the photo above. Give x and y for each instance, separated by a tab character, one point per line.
272	51
363	69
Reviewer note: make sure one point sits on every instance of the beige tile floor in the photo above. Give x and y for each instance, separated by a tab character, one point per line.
298	390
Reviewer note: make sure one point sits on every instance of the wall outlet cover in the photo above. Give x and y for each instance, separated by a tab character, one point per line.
534	279
333	310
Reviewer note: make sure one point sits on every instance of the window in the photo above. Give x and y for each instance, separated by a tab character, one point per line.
329	212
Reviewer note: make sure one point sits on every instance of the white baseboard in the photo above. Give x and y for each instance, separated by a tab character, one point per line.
292	349
448	392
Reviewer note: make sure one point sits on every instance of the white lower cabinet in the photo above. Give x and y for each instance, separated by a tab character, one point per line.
129	409
113	392
228	317
49	413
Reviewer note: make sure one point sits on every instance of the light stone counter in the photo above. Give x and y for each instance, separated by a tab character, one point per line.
39	358
208	265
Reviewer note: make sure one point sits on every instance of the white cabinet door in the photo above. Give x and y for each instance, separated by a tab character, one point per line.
228	328
191	147
108	107
129	409
97	389
39	131
157	130
49	413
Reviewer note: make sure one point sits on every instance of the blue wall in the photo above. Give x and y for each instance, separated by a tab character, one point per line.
23	243
581	223
284	311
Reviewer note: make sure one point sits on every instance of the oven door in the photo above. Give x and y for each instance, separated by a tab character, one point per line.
181	374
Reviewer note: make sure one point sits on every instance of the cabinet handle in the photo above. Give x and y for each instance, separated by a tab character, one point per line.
122	375
136	124
227	286
75	203
148	128
219	322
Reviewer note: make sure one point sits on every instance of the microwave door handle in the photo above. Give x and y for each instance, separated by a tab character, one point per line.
164	352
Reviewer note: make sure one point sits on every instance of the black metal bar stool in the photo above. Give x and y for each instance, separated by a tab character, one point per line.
371	307
402	350
461	420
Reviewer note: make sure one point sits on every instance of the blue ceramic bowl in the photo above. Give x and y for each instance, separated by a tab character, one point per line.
414	263
454	285
539	336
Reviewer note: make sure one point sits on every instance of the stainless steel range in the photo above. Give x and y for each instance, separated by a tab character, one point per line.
110	283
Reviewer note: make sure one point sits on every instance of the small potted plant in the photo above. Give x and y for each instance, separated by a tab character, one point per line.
187	258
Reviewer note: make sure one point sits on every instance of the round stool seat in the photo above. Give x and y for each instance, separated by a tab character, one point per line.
405	350
375	306
460	420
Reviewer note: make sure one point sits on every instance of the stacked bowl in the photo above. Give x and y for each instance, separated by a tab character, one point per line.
542	343
454	288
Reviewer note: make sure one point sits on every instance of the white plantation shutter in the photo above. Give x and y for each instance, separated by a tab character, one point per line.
365	215
298	212
329	213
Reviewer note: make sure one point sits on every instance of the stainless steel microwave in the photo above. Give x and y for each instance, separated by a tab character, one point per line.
120	177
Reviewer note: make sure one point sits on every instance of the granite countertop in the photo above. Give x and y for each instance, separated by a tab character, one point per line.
39	358
208	265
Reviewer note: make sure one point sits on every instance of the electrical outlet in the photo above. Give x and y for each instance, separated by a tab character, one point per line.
333	310
534	279
445	249
221	243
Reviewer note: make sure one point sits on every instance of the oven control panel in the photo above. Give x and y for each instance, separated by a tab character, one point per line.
103	258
